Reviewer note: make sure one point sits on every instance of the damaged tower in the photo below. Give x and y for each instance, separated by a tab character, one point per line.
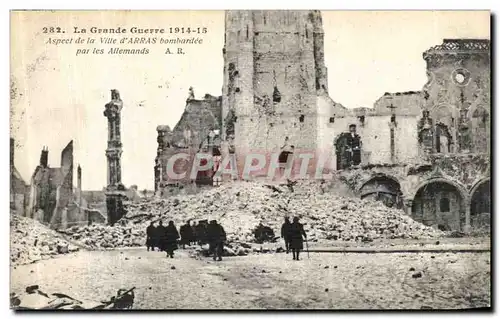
115	188
274	77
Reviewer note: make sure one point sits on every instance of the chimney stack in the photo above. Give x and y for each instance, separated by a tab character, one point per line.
44	157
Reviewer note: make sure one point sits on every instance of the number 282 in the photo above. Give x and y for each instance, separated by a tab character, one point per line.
52	30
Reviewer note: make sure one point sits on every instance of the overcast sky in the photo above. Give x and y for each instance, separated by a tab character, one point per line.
61	96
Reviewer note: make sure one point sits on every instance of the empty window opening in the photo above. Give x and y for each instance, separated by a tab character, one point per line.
444	205
332	119
301	119
393	118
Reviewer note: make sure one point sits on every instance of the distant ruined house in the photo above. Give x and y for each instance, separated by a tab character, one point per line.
52	200
19	190
198	130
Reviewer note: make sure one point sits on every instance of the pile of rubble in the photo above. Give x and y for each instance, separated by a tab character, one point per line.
97	237
35	299
31	241
241	207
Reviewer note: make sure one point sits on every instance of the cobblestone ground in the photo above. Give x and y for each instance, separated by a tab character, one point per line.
331	281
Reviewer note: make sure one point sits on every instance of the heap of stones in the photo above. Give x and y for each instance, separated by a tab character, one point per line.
31	241
240	207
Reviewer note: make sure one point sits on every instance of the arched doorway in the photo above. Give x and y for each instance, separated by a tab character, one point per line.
383	188
440	203
480	210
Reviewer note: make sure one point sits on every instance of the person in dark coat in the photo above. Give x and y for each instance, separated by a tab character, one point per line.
285	233
151	236
354	143
194	238
186	234
201	232
216	237
160	236
171	236
296	241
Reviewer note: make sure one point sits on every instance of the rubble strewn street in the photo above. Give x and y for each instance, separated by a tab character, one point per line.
269	281
240	207
31	241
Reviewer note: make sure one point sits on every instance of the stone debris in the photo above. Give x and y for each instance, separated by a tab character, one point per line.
31	241
35	299
242	206
417	275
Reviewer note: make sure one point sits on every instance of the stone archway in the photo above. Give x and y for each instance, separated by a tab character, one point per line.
480	210
441	203
382	188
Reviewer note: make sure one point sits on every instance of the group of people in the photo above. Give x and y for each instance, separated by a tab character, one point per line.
163	238
292	234
167	238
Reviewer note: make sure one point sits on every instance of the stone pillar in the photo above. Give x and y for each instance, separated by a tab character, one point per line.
113	153
408	206
467	227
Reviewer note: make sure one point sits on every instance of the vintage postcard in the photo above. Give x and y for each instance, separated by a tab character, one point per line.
251	160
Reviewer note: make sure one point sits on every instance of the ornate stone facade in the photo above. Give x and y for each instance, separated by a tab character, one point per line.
447	179
427	152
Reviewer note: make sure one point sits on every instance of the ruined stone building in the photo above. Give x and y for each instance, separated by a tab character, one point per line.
198	130
52	199
427	151
19	190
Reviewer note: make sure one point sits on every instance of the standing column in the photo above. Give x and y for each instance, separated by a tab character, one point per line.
113	153
408	206
467	226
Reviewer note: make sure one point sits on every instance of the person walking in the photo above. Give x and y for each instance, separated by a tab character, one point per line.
296	234
194	238
150	236
171	236
285	233
160	236
216	238
186	234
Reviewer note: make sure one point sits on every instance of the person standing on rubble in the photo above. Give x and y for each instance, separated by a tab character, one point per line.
186	234
285	233
216	238
150	236
171	236
160	236
296	241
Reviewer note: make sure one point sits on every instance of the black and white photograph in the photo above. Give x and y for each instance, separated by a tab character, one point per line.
250	160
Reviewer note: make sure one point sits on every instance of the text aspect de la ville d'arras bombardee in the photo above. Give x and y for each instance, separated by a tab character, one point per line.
175	40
